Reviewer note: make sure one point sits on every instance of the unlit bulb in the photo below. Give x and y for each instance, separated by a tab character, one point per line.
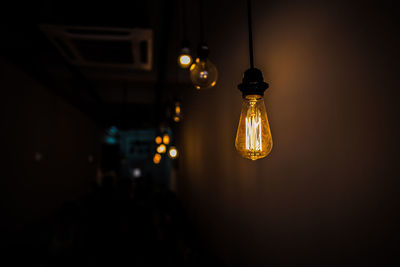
253	137
203	74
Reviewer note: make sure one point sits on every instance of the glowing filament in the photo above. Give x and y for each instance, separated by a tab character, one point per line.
253	131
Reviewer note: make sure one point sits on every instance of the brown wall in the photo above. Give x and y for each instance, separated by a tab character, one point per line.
36	120
326	195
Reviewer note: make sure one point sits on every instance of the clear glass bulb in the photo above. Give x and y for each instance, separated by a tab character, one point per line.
253	137
203	74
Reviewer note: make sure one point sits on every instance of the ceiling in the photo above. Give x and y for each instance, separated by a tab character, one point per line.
127	97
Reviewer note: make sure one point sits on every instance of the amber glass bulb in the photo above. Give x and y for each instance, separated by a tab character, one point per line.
158	140
157	158
166	139
161	149
203	74
253	137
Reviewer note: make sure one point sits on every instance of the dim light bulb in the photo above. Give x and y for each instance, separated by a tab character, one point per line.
166	139
158	140
161	149
157	158
176	119
173	152
203	74
253	137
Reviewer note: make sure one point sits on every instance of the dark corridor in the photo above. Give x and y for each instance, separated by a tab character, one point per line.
200	133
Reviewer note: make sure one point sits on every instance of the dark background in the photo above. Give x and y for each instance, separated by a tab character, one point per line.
327	195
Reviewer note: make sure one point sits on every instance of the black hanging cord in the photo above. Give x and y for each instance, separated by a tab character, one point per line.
250	33
201	21
253	81
183	11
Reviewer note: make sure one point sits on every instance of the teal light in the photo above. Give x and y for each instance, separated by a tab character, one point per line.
111	140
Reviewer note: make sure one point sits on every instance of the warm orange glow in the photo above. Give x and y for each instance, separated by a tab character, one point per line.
184	60
161	149
158	140
166	139
253	137
177	109
157	158
173	152
176	119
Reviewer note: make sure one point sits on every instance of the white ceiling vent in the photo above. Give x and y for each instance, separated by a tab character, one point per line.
130	49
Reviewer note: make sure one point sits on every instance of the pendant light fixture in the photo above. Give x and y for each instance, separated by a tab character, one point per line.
173	152
184	57
177	112
203	72
253	137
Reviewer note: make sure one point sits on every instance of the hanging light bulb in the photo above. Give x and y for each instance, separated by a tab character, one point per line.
203	72
253	137
157	158
166	139
173	152
177	108
158	140
161	149
184	58
177	112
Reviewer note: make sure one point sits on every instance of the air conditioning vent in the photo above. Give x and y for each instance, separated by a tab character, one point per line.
103	47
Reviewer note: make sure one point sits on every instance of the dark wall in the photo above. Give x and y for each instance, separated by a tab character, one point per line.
36	120
327	194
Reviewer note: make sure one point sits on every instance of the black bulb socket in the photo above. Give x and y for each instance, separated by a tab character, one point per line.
253	83
202	51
